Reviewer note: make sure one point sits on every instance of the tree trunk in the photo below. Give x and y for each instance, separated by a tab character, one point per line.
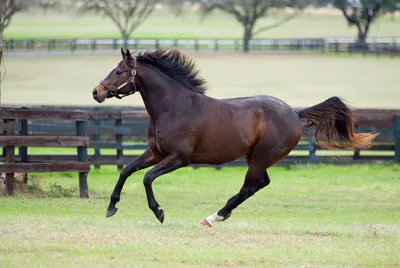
1	59
248	32
126	39
361	43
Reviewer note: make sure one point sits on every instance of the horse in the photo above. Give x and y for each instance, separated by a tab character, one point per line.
188	127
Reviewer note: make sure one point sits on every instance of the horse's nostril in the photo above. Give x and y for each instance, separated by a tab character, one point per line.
94	92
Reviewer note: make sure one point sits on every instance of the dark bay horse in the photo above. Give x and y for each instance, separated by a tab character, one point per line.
188	127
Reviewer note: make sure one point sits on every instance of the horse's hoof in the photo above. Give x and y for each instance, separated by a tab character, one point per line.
160	215
111	212
205	223
227	216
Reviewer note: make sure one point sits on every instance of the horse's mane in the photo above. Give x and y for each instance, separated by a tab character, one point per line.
177	66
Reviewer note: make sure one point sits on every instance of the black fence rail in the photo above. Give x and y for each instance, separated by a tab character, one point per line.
117	135
378	46
16	132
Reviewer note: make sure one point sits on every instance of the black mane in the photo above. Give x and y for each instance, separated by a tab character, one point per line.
177	66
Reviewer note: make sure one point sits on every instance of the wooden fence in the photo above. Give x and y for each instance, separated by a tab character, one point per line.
118	135
378	46
22	119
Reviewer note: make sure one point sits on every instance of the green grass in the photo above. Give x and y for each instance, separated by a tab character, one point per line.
314	216
299	79
162	24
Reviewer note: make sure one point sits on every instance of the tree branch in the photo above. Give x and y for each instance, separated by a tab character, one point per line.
350	19
277	24
142	15
229	8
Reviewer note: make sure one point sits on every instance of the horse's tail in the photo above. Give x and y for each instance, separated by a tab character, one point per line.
332	118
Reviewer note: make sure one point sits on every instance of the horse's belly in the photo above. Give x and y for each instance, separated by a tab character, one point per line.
219	152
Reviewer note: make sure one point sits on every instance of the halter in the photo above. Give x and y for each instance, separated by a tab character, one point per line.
131	79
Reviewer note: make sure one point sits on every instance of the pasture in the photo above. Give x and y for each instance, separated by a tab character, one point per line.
299	79
314	216
163	24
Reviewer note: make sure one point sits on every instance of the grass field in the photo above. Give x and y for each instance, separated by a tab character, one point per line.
321	216
300	80
162	24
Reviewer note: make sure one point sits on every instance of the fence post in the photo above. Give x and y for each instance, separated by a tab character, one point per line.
82	157
196	45
93	44
350	48
157	44
10	157
396	133
23	150
356	154
96	137
119	139
312	148
394	50
236	45
336	47
4	133
73	45
216	45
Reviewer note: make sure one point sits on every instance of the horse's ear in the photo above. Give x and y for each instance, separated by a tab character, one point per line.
128	54
122	52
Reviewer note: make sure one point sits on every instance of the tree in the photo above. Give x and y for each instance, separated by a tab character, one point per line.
362	13
248	12
126	14
48	4
8	8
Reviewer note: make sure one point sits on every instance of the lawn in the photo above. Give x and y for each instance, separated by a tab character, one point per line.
309	216
299	79
163	24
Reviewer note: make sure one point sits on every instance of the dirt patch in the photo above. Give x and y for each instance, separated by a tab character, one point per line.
18	180
318	234
27	190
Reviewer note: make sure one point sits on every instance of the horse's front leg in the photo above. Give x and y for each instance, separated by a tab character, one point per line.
167	165
147	159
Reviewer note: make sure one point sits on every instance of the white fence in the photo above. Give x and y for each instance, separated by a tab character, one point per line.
374	44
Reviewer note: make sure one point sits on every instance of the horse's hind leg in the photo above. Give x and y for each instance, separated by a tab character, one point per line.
143	161
256	179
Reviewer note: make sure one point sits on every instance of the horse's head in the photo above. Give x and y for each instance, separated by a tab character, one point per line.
120	81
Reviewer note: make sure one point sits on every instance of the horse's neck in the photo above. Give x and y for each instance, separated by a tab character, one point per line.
162	96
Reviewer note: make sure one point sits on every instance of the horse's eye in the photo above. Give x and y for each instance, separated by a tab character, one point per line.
118	72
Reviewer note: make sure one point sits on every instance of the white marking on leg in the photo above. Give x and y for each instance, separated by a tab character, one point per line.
214	217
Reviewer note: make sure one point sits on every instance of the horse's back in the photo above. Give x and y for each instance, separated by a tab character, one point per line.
272	107
277	121
230	127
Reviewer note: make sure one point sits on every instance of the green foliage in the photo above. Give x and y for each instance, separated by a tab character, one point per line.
362	13
57	190
127	15
33	185
249	12
7	10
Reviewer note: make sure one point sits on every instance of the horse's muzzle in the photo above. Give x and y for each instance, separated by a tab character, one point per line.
97	97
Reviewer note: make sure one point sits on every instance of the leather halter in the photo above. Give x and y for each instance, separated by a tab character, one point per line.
131	80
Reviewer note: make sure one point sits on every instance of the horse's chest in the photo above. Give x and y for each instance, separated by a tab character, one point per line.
162	140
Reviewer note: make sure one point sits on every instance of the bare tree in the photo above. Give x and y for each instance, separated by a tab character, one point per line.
362	13
126	14
7	10
249	12
46	5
